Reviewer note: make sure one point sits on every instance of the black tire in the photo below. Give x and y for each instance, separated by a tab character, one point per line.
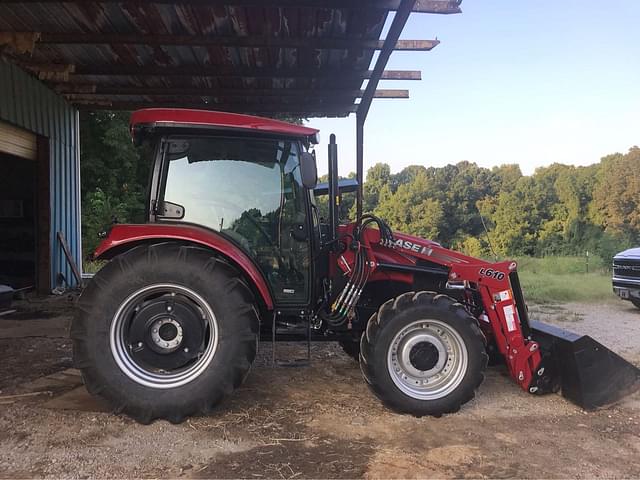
215	281
636	302
351	348
401	313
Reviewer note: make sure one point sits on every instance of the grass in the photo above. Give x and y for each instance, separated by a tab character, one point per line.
564	279
92	266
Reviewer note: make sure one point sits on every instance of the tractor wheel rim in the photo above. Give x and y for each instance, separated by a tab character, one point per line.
427	359
124	347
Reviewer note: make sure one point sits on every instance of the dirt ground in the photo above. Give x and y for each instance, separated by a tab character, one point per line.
314	422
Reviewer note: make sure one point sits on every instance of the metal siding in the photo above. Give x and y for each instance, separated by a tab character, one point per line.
40	110
72	189
60	201
76	147
55	213
64	188
27	103
30	110
49	117
5	97
18	116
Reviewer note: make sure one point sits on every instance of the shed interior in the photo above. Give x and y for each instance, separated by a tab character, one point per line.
18	221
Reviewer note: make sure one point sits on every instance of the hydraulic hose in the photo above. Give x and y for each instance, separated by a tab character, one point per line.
350	294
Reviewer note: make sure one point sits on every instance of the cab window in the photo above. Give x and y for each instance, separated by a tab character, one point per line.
251	191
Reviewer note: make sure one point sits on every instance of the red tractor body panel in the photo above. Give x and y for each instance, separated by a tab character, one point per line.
125	236
176	117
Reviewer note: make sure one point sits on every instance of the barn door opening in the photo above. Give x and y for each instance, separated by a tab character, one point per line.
24	209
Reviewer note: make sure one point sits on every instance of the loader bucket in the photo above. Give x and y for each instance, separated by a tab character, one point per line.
588	373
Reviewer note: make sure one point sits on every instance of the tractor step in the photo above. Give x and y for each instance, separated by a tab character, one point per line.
296	362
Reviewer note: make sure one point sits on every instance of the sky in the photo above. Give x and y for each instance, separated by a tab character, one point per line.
532	82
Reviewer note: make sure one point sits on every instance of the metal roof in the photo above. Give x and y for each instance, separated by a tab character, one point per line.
299	57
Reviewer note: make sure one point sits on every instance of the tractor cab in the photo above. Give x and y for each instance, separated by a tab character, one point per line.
249	180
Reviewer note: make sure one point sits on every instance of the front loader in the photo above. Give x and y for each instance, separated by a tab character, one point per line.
234	250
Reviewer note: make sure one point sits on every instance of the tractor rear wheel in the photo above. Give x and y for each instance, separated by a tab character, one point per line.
423	354
165	331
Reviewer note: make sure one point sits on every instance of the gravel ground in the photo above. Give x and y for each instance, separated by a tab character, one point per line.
319	421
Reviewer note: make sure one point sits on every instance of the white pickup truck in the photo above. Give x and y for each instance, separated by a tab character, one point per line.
626	275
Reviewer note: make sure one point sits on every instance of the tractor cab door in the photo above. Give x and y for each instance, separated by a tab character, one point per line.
250	190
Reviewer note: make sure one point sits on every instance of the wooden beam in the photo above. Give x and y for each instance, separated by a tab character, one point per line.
110	91
19	42
397	25
54	72
266	108
415	45
256	41
399	75
239	71
421	6
45	67
152	100
389	94
62	88
436	6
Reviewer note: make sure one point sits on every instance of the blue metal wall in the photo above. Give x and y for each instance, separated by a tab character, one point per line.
27	103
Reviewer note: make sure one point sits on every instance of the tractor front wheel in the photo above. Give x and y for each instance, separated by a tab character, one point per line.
423	354
165	331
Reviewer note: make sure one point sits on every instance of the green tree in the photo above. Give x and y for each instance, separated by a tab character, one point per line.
377	177
616	196
514	220
410	209
346	210
113	174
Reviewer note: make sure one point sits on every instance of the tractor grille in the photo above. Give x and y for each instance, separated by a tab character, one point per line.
626	268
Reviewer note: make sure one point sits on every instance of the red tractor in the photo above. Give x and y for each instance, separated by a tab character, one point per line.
234	250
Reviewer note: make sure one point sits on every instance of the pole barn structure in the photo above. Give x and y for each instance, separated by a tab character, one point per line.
303	58
39	183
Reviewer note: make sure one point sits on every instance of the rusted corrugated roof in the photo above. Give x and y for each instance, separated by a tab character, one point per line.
251	56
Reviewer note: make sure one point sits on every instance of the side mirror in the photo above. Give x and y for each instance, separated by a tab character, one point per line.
308	170
170	210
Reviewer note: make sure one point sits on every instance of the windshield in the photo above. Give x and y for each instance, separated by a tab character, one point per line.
251	191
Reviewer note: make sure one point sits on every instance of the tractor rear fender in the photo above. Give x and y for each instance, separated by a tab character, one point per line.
124	237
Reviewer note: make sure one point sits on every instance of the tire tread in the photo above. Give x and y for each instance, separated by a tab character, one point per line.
244	327
372	370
